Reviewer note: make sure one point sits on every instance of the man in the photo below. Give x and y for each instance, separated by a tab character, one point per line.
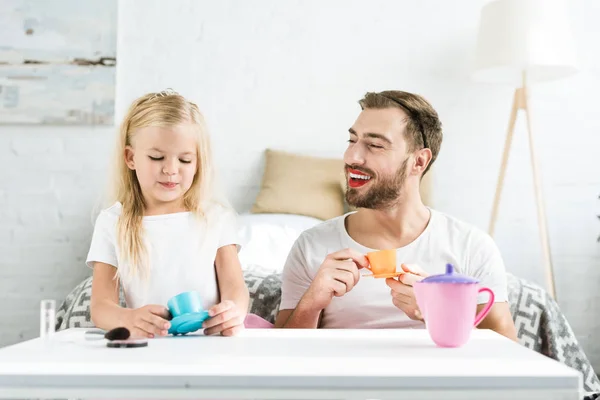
393	143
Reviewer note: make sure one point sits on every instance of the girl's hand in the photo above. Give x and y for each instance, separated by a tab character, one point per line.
148	321
225	318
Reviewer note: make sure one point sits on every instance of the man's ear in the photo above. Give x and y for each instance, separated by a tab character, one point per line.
129	152
422	160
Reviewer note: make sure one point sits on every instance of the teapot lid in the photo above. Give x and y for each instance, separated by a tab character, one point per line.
449	277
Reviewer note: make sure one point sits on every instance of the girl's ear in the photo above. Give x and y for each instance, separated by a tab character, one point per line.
129	157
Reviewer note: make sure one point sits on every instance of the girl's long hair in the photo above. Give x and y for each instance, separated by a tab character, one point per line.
162	109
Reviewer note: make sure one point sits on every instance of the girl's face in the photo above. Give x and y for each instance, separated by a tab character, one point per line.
165	162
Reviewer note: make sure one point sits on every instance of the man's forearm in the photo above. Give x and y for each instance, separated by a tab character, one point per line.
499	319
504	329
305	316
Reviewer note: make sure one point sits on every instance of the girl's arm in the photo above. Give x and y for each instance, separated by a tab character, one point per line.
107	314
228	316
104	308
231	278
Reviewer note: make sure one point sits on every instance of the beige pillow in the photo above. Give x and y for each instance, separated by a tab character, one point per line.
298	184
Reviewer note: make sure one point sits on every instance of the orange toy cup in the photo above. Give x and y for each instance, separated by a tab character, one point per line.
382	262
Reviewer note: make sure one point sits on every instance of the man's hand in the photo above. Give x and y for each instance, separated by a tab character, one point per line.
403	295
337	276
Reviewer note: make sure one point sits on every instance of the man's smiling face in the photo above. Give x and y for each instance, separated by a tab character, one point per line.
376	158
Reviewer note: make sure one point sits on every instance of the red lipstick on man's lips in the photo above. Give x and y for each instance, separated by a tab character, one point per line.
357	178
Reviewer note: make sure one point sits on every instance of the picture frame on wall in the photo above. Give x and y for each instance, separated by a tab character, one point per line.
57	62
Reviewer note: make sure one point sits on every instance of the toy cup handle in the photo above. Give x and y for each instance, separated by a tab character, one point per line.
368	267
479	317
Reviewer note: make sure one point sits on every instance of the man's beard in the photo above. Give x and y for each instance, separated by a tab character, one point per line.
382	194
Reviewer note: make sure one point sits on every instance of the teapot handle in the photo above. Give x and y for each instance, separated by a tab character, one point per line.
479	317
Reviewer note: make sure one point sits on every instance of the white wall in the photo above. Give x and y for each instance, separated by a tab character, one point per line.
287	75
50	179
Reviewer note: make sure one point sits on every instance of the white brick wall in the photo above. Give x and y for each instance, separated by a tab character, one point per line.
287	75
51	180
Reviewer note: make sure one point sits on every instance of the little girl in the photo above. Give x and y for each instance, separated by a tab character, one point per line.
166	233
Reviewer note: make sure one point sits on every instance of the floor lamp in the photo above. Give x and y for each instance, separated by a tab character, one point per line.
521	42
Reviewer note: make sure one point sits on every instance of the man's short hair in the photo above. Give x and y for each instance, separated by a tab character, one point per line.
423	128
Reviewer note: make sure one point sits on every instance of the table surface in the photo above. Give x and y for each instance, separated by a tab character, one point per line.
273	362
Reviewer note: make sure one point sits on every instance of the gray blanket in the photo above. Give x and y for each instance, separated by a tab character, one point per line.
541	326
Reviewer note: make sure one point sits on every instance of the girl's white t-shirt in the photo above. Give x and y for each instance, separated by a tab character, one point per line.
181	250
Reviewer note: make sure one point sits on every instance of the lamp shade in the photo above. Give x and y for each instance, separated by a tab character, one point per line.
531	36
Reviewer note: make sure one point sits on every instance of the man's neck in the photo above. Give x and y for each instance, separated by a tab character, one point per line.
389	228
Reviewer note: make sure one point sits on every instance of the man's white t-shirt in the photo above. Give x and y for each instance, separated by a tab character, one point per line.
369	304
181	250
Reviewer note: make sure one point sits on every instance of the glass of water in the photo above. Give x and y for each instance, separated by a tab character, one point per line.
47	316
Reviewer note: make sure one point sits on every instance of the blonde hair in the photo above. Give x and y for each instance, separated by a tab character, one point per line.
162	109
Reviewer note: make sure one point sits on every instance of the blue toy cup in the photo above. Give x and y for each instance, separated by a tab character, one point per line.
185	303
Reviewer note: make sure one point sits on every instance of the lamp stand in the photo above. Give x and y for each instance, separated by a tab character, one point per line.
520	102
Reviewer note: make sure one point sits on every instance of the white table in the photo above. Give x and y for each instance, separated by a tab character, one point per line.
277	364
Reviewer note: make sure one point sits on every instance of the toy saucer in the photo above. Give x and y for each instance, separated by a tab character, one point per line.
187	323
379	276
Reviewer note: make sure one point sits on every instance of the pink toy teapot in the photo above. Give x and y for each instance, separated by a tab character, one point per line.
448	303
